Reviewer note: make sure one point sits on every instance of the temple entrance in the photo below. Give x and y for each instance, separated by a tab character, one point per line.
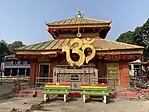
113	74
43	73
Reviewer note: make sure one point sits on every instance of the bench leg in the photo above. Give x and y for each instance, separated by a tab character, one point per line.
84	100
65	98
105	99
44	97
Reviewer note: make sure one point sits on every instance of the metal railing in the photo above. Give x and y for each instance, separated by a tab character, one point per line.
112	82
11	64
12	78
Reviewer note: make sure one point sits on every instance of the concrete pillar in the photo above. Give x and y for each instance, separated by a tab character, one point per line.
10	72
132	69
2	68
18	72
3	72
25	71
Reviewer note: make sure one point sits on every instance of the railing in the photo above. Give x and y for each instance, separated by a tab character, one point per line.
12	78
44	79
9	64
110	81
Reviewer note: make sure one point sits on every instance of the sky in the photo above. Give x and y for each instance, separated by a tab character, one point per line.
24	20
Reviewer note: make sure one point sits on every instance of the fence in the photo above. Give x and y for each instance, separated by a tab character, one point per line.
113	83
11	79
139	79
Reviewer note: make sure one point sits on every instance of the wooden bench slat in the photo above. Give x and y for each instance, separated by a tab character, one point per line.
94	89
95	93
60	84
101	85
57	88
56	93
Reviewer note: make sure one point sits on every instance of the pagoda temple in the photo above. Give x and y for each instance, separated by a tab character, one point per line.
79	53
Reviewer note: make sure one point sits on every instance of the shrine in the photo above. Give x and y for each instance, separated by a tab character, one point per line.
79	53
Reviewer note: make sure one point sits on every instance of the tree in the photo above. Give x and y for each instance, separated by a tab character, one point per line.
126	37
15	45
3	51
6	49
140	36
3	41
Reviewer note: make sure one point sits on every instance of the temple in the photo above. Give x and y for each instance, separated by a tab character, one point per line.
80	53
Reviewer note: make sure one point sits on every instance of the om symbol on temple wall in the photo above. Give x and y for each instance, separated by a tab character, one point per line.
82	44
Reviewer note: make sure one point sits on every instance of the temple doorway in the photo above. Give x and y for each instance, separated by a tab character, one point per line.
43	73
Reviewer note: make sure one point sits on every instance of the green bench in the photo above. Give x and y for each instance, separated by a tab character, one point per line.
56	89
89	90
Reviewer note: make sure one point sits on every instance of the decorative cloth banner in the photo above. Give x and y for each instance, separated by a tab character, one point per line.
29	56
120	56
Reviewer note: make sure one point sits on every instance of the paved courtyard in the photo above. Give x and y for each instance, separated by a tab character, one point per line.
79	106
72	106
6	88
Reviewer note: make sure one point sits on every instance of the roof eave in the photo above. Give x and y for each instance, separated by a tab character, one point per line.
141	48
80	26
97	24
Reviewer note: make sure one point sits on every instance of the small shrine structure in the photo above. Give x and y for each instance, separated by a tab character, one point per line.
79	53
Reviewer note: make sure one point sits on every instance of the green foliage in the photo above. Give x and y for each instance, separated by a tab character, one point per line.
3	50
3	41
6	49
126	37
140	36
15	45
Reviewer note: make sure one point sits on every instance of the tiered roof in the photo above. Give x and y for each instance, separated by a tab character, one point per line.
101	45
79	21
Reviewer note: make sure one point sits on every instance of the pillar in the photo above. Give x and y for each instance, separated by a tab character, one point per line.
18	72
32	80
132	69
10	72
2	68
25	71
3	72
52	65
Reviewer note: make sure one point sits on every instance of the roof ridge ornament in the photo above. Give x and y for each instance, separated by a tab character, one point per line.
79	14
79	34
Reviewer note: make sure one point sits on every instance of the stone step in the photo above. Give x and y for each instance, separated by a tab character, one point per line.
17	89
132	95
39	92
27	93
